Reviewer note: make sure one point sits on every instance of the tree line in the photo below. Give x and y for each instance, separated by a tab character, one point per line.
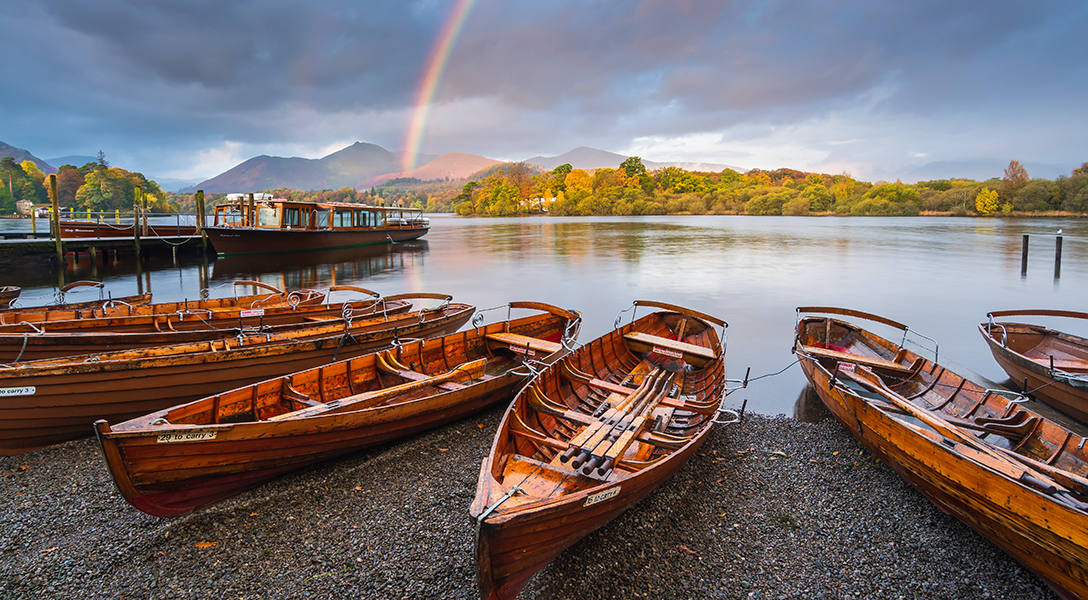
95	187
630	189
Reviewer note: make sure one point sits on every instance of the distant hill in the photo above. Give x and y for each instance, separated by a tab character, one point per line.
453	165
20	155
75	160
979	170
591	158
344	168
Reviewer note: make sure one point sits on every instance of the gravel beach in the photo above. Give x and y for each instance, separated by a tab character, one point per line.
771	508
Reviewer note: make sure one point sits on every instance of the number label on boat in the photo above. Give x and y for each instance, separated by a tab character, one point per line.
192	436
256	312
602	496
26	390
668	352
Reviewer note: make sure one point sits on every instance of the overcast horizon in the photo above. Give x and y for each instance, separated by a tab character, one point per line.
878	90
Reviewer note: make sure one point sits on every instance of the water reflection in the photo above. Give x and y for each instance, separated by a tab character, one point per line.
809	408
345	266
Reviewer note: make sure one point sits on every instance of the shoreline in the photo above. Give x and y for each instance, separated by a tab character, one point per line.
770	508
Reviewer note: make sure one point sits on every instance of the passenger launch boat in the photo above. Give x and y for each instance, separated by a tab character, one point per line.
274	314
1007	471
277	225
1049	365
590	436
175	461
52	401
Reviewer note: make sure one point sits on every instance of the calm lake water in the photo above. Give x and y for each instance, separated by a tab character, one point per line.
938	275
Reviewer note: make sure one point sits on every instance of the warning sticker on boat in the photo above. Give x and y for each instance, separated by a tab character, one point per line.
26	390
192	436
256	312
602	496
847	367
667	352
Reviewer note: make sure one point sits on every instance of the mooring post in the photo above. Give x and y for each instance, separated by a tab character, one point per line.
1024	257
1058	258
136	223
56	219
200	220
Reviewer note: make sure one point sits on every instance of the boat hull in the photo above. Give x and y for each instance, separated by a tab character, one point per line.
229	241
175	461
1047	536
1060	390
50	402
590	437
104	230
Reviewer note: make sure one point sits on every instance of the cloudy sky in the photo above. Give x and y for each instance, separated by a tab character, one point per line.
876	88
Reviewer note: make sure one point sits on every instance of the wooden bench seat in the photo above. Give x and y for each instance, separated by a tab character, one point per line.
1062	364
690	353
519	343
857	359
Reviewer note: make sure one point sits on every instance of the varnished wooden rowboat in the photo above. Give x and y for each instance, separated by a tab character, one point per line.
590	436
1050	365
8	294
204	320
175	461
51	401
1007	471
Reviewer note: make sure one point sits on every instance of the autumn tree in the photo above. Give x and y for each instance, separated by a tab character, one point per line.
633	166
986	201
69	179
1016	177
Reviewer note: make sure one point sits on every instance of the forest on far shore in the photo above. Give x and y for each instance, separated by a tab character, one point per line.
510	189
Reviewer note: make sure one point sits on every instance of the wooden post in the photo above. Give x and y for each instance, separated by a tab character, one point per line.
201	220
1024	257
251	216
56	219
143	213
33	220
1058	258
136	226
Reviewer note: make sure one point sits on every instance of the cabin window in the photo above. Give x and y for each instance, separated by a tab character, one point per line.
230	216
292	217
342	219
322	217
267	217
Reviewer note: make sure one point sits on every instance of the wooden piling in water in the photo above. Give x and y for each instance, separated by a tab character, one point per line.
1024	257
1058	258
136	222
56	219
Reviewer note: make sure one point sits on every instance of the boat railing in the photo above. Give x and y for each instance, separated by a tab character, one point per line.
849	312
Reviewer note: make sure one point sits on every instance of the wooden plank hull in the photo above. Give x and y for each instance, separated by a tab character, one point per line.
74	229
53	401
1025	355
8	293
20	342
981	479
241	240
239	439
532	501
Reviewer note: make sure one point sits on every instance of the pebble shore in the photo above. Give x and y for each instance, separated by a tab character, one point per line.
771	508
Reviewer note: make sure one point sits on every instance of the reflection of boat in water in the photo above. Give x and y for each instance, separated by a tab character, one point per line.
354	263
809	408
274	225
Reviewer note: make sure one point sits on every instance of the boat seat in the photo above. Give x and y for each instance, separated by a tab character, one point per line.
417	376
645	342
857	359
519	343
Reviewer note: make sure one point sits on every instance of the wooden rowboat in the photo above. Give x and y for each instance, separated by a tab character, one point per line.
590	436
52	401
1007	471
189	322
1050	365
175	461
8	294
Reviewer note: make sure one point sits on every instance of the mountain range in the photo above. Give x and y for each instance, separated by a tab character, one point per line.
363	165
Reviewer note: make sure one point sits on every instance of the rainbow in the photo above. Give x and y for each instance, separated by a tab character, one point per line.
436	64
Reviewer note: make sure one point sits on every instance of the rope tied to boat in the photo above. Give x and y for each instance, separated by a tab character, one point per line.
490	509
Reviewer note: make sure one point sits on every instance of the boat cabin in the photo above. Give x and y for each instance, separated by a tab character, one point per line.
264	211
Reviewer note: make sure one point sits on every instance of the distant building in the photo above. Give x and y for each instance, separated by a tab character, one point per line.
24	207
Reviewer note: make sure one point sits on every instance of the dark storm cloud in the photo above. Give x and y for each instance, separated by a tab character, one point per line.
177	77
